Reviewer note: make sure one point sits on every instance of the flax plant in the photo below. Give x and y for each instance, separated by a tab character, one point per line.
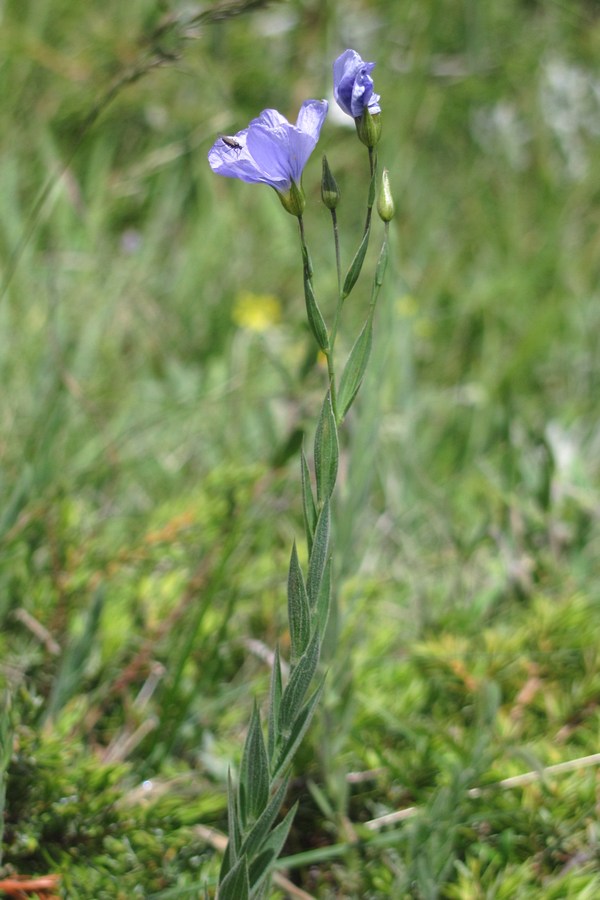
274	152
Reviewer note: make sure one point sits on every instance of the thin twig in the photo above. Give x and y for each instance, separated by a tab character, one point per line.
514	781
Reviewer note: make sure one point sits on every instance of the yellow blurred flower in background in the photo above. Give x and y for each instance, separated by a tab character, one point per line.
256	312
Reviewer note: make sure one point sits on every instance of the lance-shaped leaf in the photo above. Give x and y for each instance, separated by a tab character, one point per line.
257	835
298	684
326	451
254	773
297	732
324	600
315	319
236	884
308	502
356	265
298	608
271	849
355	367
232	851
274	703
318	557
381	264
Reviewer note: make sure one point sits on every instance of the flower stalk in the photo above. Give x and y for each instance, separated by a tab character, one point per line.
274	152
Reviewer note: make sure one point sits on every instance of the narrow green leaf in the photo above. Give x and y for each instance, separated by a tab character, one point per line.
298	684
318	557
324	600
298	608
326	451
256	836
355	367
254	773
230	857
297	732
308	503
260	867
315	319
307	261
236	885
371	199
356	264
381	264
274	704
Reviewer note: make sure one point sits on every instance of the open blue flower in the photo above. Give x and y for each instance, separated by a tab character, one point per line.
271	151
353	85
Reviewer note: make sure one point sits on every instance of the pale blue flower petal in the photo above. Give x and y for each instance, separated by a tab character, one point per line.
271	150
353	85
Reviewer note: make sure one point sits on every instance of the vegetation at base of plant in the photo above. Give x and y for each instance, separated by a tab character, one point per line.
149	445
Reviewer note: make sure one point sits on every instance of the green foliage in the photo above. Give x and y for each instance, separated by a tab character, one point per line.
139	417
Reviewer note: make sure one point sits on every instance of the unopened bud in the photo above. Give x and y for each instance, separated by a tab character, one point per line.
293	200
330	192
368	128
385	203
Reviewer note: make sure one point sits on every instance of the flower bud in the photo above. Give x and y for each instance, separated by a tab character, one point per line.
293	200
368	128
330	192
385	203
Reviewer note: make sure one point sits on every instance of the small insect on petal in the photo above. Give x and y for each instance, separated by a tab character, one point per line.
231	142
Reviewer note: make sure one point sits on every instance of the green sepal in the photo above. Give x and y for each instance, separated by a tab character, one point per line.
297	732
355	367
298	608
274	703
315	319
236	884
253	792
271	849
318	556
256	837
326	451
308	502
298	684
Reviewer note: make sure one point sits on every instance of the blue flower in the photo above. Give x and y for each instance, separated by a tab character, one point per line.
271	151
353	85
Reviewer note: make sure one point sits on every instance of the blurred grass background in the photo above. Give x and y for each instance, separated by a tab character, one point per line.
157	373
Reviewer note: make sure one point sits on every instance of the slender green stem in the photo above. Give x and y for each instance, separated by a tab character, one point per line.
373	169
336	238
329	351
338	262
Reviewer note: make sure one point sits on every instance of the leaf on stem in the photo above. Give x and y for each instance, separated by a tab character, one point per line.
298	684
274	703
315	319
324	599
254	841
254	773
297	732
272	847
308	502
326	451
355	367
236	884
298	608
356	264
318	557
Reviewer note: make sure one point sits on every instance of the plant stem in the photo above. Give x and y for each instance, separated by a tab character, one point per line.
329	350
